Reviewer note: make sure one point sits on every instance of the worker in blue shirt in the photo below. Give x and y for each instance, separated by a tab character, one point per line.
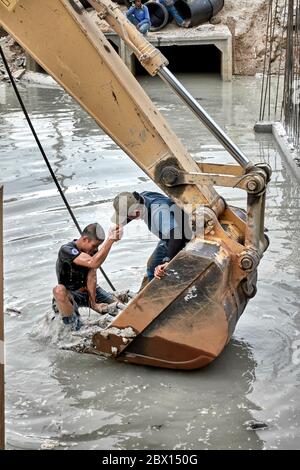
164	219
138	15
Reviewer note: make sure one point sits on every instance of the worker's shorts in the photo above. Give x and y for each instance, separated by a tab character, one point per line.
81	299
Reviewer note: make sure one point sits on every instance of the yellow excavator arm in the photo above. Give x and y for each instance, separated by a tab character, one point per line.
168	327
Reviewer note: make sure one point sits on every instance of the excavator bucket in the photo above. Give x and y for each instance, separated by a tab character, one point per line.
184	320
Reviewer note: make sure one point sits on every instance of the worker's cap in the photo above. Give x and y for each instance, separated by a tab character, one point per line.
125	204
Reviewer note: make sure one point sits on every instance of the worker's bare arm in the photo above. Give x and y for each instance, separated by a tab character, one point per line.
95	261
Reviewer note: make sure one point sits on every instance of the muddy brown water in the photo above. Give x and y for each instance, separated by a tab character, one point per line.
66	400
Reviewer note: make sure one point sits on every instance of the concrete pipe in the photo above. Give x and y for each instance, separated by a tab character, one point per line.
199	11
159	15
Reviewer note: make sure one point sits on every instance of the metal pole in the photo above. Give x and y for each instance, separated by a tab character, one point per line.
200	112
2	402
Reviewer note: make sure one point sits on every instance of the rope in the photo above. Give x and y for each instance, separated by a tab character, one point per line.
45	156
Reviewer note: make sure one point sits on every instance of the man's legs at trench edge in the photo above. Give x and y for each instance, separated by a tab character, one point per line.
144	28
177	17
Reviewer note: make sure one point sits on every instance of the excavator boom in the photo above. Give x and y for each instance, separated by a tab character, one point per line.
185	320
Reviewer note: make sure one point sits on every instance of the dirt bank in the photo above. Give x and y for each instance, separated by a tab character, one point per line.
248	23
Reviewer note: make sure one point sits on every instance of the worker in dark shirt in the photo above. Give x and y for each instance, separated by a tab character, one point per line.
163	218
76	267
